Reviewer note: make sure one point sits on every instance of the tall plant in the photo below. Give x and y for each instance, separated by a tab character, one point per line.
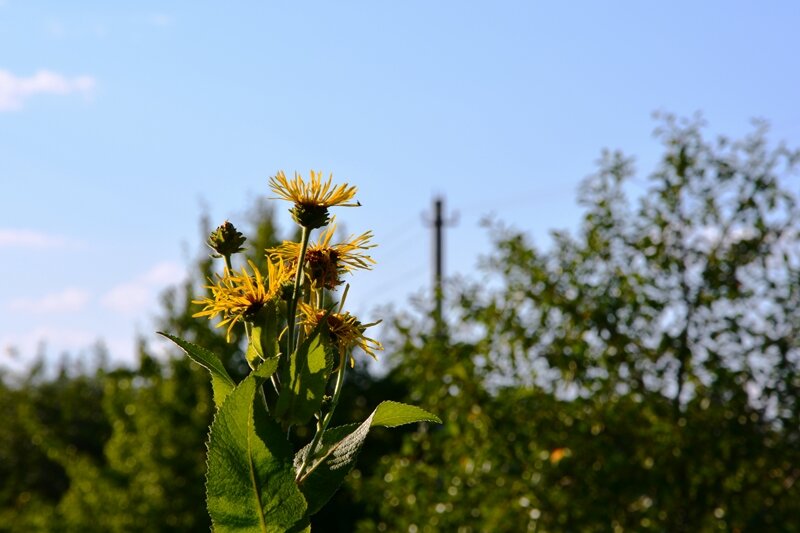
300	344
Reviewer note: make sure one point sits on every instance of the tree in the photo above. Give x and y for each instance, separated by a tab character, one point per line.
642	374
69	405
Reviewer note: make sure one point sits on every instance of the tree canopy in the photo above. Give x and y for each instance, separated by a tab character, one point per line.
641	373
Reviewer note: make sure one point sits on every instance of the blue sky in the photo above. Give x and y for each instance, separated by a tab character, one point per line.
120	121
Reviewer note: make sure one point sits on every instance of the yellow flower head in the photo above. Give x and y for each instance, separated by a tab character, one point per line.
237	297
344	329
312	200
326	262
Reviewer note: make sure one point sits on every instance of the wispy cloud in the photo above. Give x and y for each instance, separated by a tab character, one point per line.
160	19
15	90
26	238
26	342
54	28
69	300
21	348
137	295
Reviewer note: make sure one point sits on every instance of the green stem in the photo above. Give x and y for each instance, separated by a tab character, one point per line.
298	279
320	298
337	391
322	424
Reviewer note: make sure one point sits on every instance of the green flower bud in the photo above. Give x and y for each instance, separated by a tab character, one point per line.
286	290
226	240
310	216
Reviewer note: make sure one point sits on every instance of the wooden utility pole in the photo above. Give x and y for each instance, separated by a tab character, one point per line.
438	223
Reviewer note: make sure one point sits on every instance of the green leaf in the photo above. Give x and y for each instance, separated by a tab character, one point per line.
337	455
221	382
268	367
305	380
270	331
250	481
263	335
393	414
254	352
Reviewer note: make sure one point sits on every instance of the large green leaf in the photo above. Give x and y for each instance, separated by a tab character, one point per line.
393	414
305	379
337	454
250	482
221	382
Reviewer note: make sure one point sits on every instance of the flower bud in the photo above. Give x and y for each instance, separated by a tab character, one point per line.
226	240
310	216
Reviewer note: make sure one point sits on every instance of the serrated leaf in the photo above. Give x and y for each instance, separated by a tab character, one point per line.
393	414
268	367
221	382
305	379
337	457
340	446
250	480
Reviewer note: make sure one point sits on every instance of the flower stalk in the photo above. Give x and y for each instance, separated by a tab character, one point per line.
298	282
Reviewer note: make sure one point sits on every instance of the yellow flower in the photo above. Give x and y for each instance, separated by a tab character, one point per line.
314	193
237	297
326	262
344	329
312	200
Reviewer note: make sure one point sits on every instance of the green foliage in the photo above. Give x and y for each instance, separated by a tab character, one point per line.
340	446
306	378
31	480
250	475
639	375
148	469
392	414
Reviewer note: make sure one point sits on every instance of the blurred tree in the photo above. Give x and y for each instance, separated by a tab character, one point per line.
69	404
642	375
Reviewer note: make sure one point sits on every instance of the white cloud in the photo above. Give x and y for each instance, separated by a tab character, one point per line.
26	343
127	298
69	300
20	349
160	19
137	295
25	238
15	90
54	28
164	273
